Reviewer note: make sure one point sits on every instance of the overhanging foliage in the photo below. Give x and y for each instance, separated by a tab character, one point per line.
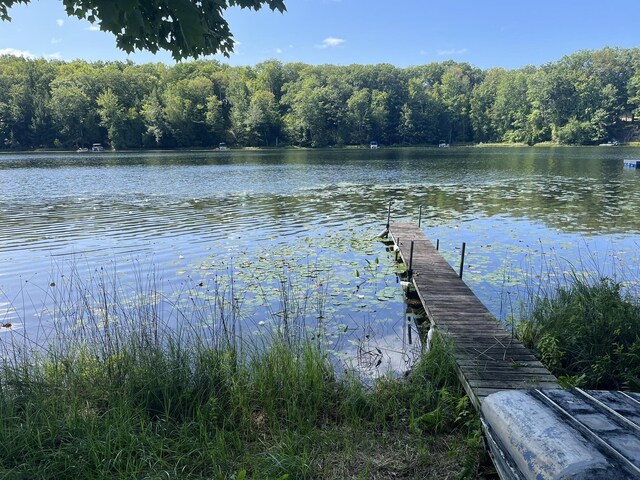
186	28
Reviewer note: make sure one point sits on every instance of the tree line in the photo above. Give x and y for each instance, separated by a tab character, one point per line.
584	98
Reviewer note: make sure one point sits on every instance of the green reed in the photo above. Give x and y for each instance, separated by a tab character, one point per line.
125	388
585	328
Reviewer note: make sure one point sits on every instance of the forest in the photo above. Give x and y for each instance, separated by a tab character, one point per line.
584	98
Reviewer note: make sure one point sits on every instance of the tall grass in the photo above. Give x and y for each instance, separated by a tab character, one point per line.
587	332
123	389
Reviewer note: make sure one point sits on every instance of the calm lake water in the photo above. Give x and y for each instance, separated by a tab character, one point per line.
265	220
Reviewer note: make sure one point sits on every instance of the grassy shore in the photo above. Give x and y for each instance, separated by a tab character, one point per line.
587	332
118	392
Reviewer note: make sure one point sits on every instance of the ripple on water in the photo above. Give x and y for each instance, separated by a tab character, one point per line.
181	212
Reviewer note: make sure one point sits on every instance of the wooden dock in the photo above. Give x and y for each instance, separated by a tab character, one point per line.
489	357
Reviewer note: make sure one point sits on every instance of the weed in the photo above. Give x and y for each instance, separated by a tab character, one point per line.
587	333
121	390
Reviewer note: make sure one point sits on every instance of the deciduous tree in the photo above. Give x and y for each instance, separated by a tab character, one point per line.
186	28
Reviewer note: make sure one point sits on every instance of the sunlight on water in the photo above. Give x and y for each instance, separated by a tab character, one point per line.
264	216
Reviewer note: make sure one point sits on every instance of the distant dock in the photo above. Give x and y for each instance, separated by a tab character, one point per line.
629	163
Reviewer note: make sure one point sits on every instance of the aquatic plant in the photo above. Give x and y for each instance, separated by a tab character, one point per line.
125	389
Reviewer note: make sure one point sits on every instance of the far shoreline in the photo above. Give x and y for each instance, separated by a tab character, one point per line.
299	148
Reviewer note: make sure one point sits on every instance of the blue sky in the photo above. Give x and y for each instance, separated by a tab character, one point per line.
487	33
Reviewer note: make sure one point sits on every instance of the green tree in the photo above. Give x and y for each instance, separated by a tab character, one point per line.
455	94
304	120
14	102
271	76
406	127
380	116
510	110
113	118
214	118
71	112
634	94
152	113
25	118
575	132
482	103
185	111
238	96
359	113
420	114
262	122
579	99
186	28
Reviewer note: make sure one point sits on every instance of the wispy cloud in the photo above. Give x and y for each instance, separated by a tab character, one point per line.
453	51
55	41
16	53
27	54
332	42
278	51
93	28
60	22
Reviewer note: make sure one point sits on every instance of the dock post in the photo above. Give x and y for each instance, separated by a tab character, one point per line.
389	217
437	244
464	246
397	249
420	217
410	271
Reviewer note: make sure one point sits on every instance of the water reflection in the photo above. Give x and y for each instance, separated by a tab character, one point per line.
183	210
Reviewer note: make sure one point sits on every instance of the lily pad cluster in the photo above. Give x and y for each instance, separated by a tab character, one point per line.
339	286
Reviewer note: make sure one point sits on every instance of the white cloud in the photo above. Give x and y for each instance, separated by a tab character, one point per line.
16	53
60	22
27	54
453	51
278	51
332	42
93	28
55	41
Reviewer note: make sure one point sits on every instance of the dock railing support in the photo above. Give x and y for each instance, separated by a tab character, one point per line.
420	217
397	248
437	244
410	271
389	217
464	246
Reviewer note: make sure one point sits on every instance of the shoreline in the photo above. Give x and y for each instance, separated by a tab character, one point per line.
297	148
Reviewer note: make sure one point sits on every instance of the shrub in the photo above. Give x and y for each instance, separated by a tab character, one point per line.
575	133
587	334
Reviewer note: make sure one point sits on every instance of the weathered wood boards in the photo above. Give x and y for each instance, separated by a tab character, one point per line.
489	357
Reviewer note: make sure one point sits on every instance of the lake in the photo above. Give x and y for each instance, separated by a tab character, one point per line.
301	225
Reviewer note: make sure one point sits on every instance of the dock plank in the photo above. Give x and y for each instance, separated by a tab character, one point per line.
489	358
